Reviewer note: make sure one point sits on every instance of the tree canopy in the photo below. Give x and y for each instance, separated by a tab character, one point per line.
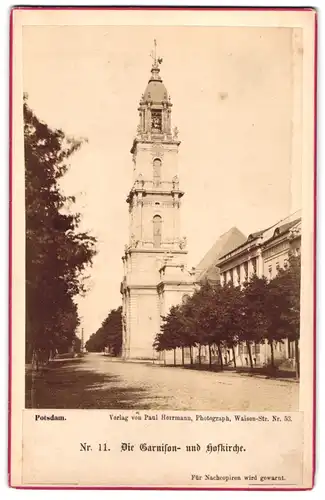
222	316
57	252
108	335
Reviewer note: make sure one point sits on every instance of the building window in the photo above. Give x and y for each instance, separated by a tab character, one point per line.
246	270
254	265
277	266
270	271
285	264
231	276
257	348
242	349
157	223
156	172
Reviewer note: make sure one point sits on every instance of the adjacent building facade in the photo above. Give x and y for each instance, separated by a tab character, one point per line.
155	258
263	254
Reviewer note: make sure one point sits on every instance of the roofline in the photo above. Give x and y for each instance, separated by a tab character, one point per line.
274	238
262	232
203	268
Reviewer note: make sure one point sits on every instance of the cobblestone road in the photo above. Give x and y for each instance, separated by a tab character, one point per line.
96	381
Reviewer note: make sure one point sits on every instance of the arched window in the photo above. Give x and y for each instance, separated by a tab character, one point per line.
156	172
157	223
156	120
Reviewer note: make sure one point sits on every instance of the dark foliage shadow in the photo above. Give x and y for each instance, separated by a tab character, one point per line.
267	372
63	385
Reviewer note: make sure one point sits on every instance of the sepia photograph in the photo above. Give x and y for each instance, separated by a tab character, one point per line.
163	217
163	213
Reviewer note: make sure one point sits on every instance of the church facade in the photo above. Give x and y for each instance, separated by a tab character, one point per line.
155	258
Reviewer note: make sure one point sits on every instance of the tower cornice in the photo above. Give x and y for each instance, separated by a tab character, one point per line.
161	250
154	191
161	141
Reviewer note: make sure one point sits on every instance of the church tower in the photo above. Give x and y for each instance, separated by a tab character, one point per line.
155	273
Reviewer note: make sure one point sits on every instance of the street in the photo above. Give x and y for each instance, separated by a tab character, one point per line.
96	381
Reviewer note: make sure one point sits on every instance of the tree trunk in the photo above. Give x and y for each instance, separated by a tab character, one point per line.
199	353
220	357
272	353
183	359
191	354
233	356
249	354
35	360
297	358
174	356
210	360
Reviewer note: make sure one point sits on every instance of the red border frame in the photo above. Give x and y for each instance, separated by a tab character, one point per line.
127	488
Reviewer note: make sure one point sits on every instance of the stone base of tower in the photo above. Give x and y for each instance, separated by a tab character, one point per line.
139	354
142	325
144	305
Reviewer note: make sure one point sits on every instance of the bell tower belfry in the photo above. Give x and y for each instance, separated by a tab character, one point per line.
155	274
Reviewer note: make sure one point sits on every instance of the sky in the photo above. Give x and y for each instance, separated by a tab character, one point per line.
233	93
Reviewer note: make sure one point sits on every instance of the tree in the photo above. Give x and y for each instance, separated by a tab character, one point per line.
188	328
209	317
108	335
231	317
287	284
254	322
170	336
215	310
276	303
57	253
219	318
206	316
67	322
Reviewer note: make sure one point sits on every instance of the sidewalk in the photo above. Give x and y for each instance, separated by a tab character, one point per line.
242	372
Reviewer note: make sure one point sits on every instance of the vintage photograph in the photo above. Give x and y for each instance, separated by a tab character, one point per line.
162	248
163	217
